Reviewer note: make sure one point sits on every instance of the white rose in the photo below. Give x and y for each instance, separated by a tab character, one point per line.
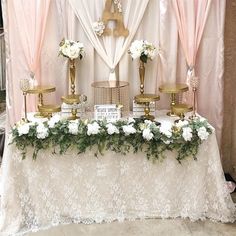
136	49
55	119
42	131
165	129
128	129
148	122
147	134
181	123
93	128
131	120
73	128
202	133
112	129
187	133
23	129
167	141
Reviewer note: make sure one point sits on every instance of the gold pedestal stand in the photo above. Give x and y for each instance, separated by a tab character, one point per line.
72	99
181	109
146	99
173	89
40	90
48	110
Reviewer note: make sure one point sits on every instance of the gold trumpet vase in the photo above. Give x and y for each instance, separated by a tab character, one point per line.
141	75
72	75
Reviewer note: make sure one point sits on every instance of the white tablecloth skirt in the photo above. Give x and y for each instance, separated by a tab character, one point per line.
58	189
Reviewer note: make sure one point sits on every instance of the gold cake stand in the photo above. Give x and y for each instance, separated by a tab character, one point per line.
146	99
173	89
48	110
72	99
181	109
40	90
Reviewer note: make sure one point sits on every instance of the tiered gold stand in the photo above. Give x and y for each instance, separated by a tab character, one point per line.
146	99
72	99
48	110
181	109
173	89
40	90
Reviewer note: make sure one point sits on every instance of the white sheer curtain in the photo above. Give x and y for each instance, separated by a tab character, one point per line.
111	50
158	26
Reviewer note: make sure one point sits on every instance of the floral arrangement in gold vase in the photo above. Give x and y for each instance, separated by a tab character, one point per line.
144	51
71	50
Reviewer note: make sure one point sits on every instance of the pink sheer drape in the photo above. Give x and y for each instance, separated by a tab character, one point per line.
31	18
191	16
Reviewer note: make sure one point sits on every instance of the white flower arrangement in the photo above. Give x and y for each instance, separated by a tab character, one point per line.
98	27
121	136
71	49
143	50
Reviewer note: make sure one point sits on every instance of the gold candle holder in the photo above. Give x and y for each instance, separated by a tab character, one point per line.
141	75
24	86
146	99
173	89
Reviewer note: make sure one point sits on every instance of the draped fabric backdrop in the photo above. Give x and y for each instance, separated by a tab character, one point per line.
158	25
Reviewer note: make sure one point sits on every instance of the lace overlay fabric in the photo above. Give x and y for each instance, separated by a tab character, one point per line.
59	189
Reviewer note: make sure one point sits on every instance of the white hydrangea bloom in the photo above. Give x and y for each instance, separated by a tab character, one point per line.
187	133
147	134
165	129
112	129
53	120
202	133
136	49
23	129
42	131
128	129
73	128
93	128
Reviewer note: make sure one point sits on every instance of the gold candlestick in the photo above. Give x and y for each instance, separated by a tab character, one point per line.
24	85
141	76
194	85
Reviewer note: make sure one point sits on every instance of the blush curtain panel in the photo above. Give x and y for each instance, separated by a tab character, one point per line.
191	16
31	18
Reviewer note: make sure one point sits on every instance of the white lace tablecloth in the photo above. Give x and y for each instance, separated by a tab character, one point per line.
58	189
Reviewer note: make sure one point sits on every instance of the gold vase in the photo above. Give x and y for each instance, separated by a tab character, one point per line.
72	75
141	76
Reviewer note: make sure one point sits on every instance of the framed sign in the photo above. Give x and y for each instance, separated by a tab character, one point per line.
110	112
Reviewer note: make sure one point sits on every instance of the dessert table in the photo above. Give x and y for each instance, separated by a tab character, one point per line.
71	188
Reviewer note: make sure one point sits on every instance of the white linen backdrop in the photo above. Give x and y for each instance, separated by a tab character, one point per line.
158	26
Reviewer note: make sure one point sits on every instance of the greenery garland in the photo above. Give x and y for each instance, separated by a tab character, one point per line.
122	136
